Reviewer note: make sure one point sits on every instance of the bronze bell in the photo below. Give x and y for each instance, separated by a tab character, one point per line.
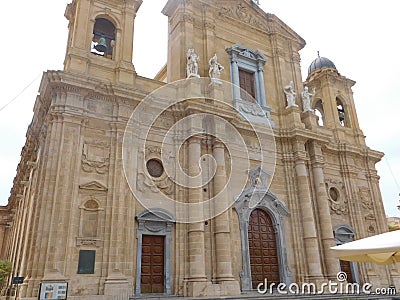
101	45
341	115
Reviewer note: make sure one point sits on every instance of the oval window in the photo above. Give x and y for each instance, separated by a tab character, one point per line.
155	168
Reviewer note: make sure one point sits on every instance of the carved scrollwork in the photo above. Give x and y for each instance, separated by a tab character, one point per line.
164	185
250	108
337	201
188	18
339	208
241	12
95	158
366	202
368	209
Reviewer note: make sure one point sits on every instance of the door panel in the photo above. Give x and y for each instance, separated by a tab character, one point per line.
346	267
246	80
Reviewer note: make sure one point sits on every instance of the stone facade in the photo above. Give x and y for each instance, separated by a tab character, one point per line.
71	192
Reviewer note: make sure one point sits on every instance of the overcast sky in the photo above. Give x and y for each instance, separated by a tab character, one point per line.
361	39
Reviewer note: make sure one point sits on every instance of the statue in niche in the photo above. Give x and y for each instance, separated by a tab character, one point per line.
290	95
192	64
215	70
306	96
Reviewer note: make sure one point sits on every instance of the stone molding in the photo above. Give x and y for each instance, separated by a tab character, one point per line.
260	197
155	221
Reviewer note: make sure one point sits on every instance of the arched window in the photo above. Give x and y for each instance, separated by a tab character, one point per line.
319	112
341	112
90	219
103	38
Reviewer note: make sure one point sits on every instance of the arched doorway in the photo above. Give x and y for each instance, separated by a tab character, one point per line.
263	249
262	216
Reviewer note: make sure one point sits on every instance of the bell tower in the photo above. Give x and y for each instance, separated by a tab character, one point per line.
100	41
333	101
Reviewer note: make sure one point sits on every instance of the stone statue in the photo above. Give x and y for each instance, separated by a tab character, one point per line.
306	97
192	67
290	95
215	70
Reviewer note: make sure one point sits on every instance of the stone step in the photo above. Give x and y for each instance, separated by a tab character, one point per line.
257	296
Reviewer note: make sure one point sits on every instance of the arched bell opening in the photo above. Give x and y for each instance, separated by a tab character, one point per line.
319	112
342	114
103	38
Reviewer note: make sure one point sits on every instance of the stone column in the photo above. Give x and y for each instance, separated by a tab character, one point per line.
222	230
324	216
313	256
195	229
235	77
260	71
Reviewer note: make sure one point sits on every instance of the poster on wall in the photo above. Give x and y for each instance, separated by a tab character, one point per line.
53	290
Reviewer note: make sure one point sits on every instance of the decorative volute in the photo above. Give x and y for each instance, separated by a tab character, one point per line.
100	42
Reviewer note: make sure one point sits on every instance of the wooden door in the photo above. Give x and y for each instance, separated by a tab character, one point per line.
345	266
263	250
152	276
247	83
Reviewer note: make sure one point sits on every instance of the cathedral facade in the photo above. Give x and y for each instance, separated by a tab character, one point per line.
100	209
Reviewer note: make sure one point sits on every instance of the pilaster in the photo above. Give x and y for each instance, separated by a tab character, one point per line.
313	254
324	217
222	228
196	250
116	282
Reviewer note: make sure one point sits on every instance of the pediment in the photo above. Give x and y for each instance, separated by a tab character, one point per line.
255	17
247	53
93	186
155	215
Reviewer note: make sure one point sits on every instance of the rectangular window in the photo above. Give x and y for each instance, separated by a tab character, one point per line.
246	80
86	261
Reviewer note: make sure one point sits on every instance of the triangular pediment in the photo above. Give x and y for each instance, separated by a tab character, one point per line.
155	215
241	12
93	186
252	15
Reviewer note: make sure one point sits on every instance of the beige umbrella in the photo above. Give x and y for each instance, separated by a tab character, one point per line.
381	249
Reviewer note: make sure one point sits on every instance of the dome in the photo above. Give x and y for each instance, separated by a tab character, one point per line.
319	63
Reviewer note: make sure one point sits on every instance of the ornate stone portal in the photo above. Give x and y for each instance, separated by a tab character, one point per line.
258	196
155	222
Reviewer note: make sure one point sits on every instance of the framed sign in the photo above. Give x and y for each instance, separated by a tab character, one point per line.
18	280
53	290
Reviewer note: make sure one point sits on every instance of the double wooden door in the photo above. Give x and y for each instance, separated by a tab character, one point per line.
153	270
263	250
